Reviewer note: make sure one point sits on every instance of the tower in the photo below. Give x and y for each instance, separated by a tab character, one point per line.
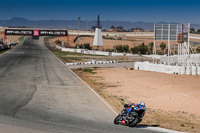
98	36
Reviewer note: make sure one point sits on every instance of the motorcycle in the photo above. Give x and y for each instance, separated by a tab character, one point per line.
131	114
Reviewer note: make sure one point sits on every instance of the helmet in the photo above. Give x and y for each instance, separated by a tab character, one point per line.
142	103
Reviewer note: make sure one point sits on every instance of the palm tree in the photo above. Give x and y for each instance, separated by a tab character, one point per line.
162	47
150	47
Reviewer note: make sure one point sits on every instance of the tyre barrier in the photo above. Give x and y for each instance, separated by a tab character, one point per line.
92	62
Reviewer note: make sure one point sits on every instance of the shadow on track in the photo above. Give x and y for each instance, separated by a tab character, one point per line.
145	126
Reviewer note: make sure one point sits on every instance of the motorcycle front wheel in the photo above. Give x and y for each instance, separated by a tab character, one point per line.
116	120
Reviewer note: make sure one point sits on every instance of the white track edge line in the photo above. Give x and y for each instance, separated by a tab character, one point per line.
163	130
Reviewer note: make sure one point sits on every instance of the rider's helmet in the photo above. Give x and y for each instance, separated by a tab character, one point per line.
142	103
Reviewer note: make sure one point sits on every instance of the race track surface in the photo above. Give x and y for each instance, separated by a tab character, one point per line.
39	94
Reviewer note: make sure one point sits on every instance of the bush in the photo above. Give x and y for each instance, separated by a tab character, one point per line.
150	45
121	48
125	48
87	46
141	49
198	50
119	38
109	50
163	46
89	70
58	41
118	48
84	46
135	50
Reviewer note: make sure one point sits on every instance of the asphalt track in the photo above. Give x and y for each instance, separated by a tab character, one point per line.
38	94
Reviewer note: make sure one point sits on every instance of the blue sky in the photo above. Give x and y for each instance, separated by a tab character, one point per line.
182	11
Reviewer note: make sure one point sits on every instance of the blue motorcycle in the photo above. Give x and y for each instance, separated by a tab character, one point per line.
131	114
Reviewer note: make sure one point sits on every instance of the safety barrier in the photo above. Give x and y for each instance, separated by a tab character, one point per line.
92	52
169	69
91	62
194	58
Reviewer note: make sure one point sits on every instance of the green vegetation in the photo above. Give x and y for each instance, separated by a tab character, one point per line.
121	48
162	47
69	56
122	100
108	38
88	70
182	125
84	46
198	50
141	49
58	42
21	40
119	38
150	45
109	50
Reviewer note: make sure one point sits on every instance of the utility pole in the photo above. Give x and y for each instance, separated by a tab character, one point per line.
79	20
98	22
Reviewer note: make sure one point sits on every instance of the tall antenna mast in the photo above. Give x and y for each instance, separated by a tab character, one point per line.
98	22
79	20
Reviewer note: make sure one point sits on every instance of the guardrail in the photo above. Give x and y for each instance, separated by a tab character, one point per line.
92	52
92	62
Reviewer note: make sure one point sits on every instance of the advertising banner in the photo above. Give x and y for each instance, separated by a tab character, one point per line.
36	32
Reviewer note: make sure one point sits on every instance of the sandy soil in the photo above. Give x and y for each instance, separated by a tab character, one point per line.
172	100
108	43
166	92
9	38
64	39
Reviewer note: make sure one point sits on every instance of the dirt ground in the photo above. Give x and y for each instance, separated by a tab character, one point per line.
9	38
172	101
110	41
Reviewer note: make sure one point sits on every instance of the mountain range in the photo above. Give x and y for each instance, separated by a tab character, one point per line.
73	24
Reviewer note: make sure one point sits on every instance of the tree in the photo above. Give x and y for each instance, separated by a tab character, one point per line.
58	42
93	27
120	27
141	49
121	48
150	47
125	48
87	46
118	48
198	31
198	50
112	27
162	47
192	30
134	50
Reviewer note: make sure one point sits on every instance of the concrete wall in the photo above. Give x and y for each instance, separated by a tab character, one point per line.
84	51
169	69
